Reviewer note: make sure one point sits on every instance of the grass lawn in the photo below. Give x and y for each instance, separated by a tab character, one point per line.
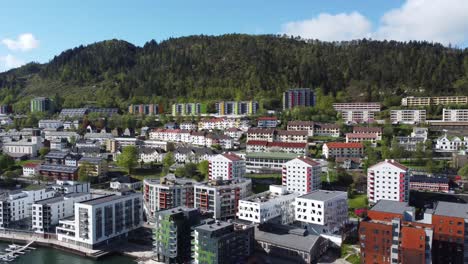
263	175
357	201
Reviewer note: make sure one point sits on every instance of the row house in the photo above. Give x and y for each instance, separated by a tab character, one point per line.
148	155
340	149
287	147
199	138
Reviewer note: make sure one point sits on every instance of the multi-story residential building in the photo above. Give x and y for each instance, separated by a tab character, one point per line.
58	172
223	124
221	197
50	124
166	193
226	166
234	133
41	104
222	242
273	206
73	112
289	244
193	154
314	128
436	100
188	126
267	122
360	106
145	109
431	184
188	109
404	116
340	149
5	109
16	205
298	97
361	138
357	112
450	143
271	135
322	211
368	130
102	220
455	115
66	187
30	169
96	166
286	147
301	175
438	238
148	155
47	213
58	135
388	180
267	161
237	108
172	234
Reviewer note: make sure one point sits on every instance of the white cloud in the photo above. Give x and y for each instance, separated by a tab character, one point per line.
9	61
329	27
24	42
444	21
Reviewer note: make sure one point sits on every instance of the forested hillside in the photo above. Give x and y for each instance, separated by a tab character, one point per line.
114	72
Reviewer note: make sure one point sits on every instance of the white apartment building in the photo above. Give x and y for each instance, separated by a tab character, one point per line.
221	197
315	129
148	155
360	106
407	116
266	161
340	149
323	211
368	130
66	187
166	193
436	100
273	206
223	124
47	213
226	166
361	138
188	126
23	147
16	205
357	116
286	147
388	180
234	133
58	135
102	220
455	115
450	143
50	124
301	175
193	154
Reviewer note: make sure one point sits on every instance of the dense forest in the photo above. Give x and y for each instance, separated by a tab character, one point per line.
235	66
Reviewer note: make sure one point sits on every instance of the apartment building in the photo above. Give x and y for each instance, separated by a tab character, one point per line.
301	175
50	124
66	187
102	220
360	106
361	138
172	234
58	172
145	109
388	180
298	97
267	122
267	161
226	166
166	193
41	104
314	128
221	197
16	205
222	242
234	133
273	206
148	155
47	213
188	109
271	135
23	148
322	211
342	150
188	126
224	108
436	100
357	112
437	238
30	169
455	115
368	130
411	117
193	154
223	124
429	184
282	147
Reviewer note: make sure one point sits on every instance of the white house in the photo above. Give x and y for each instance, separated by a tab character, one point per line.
450	144
30	169
148	155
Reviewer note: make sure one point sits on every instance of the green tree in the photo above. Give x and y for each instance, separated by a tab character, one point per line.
84	172
6	162
168	161
43	151
203	167
128	159
463	172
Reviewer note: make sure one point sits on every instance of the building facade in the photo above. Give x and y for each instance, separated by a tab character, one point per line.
342	150
407	116
226	166
388	180
455	115
237	108
298	97
301	175
436	100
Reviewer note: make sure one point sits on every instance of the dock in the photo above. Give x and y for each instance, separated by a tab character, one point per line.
15	251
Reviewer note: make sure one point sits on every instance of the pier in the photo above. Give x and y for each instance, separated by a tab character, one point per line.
15	251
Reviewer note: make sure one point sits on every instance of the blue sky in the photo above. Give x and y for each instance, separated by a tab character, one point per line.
37	30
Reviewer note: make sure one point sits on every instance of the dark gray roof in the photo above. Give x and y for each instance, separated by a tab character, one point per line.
322	195
92	160
56	155
213	226
59	198
58	168
286	237
106	198
452	209
427	179
392	207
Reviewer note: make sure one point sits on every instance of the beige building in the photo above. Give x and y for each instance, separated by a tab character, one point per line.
436	100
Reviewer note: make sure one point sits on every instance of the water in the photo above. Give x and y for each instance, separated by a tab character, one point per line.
54	256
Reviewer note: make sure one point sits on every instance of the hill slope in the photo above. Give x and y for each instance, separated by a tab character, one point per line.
114	72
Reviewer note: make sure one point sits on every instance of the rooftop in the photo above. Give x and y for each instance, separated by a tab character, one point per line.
344	145
394	207
287	237
58	168
106	198
210	227
427	179
322	195
59	198
451	209
271	155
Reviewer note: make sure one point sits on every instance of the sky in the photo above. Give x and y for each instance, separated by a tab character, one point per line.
38	30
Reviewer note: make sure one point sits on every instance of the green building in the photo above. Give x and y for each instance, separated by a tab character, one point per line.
218	242
41	104
188	109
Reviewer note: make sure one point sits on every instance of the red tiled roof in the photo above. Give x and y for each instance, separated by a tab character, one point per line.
273	118
344	145
394	163
233	129
327	125
254	130
257	142
232	156
367	129
300	123
292	132
360	135
309	161
276	144
31	165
